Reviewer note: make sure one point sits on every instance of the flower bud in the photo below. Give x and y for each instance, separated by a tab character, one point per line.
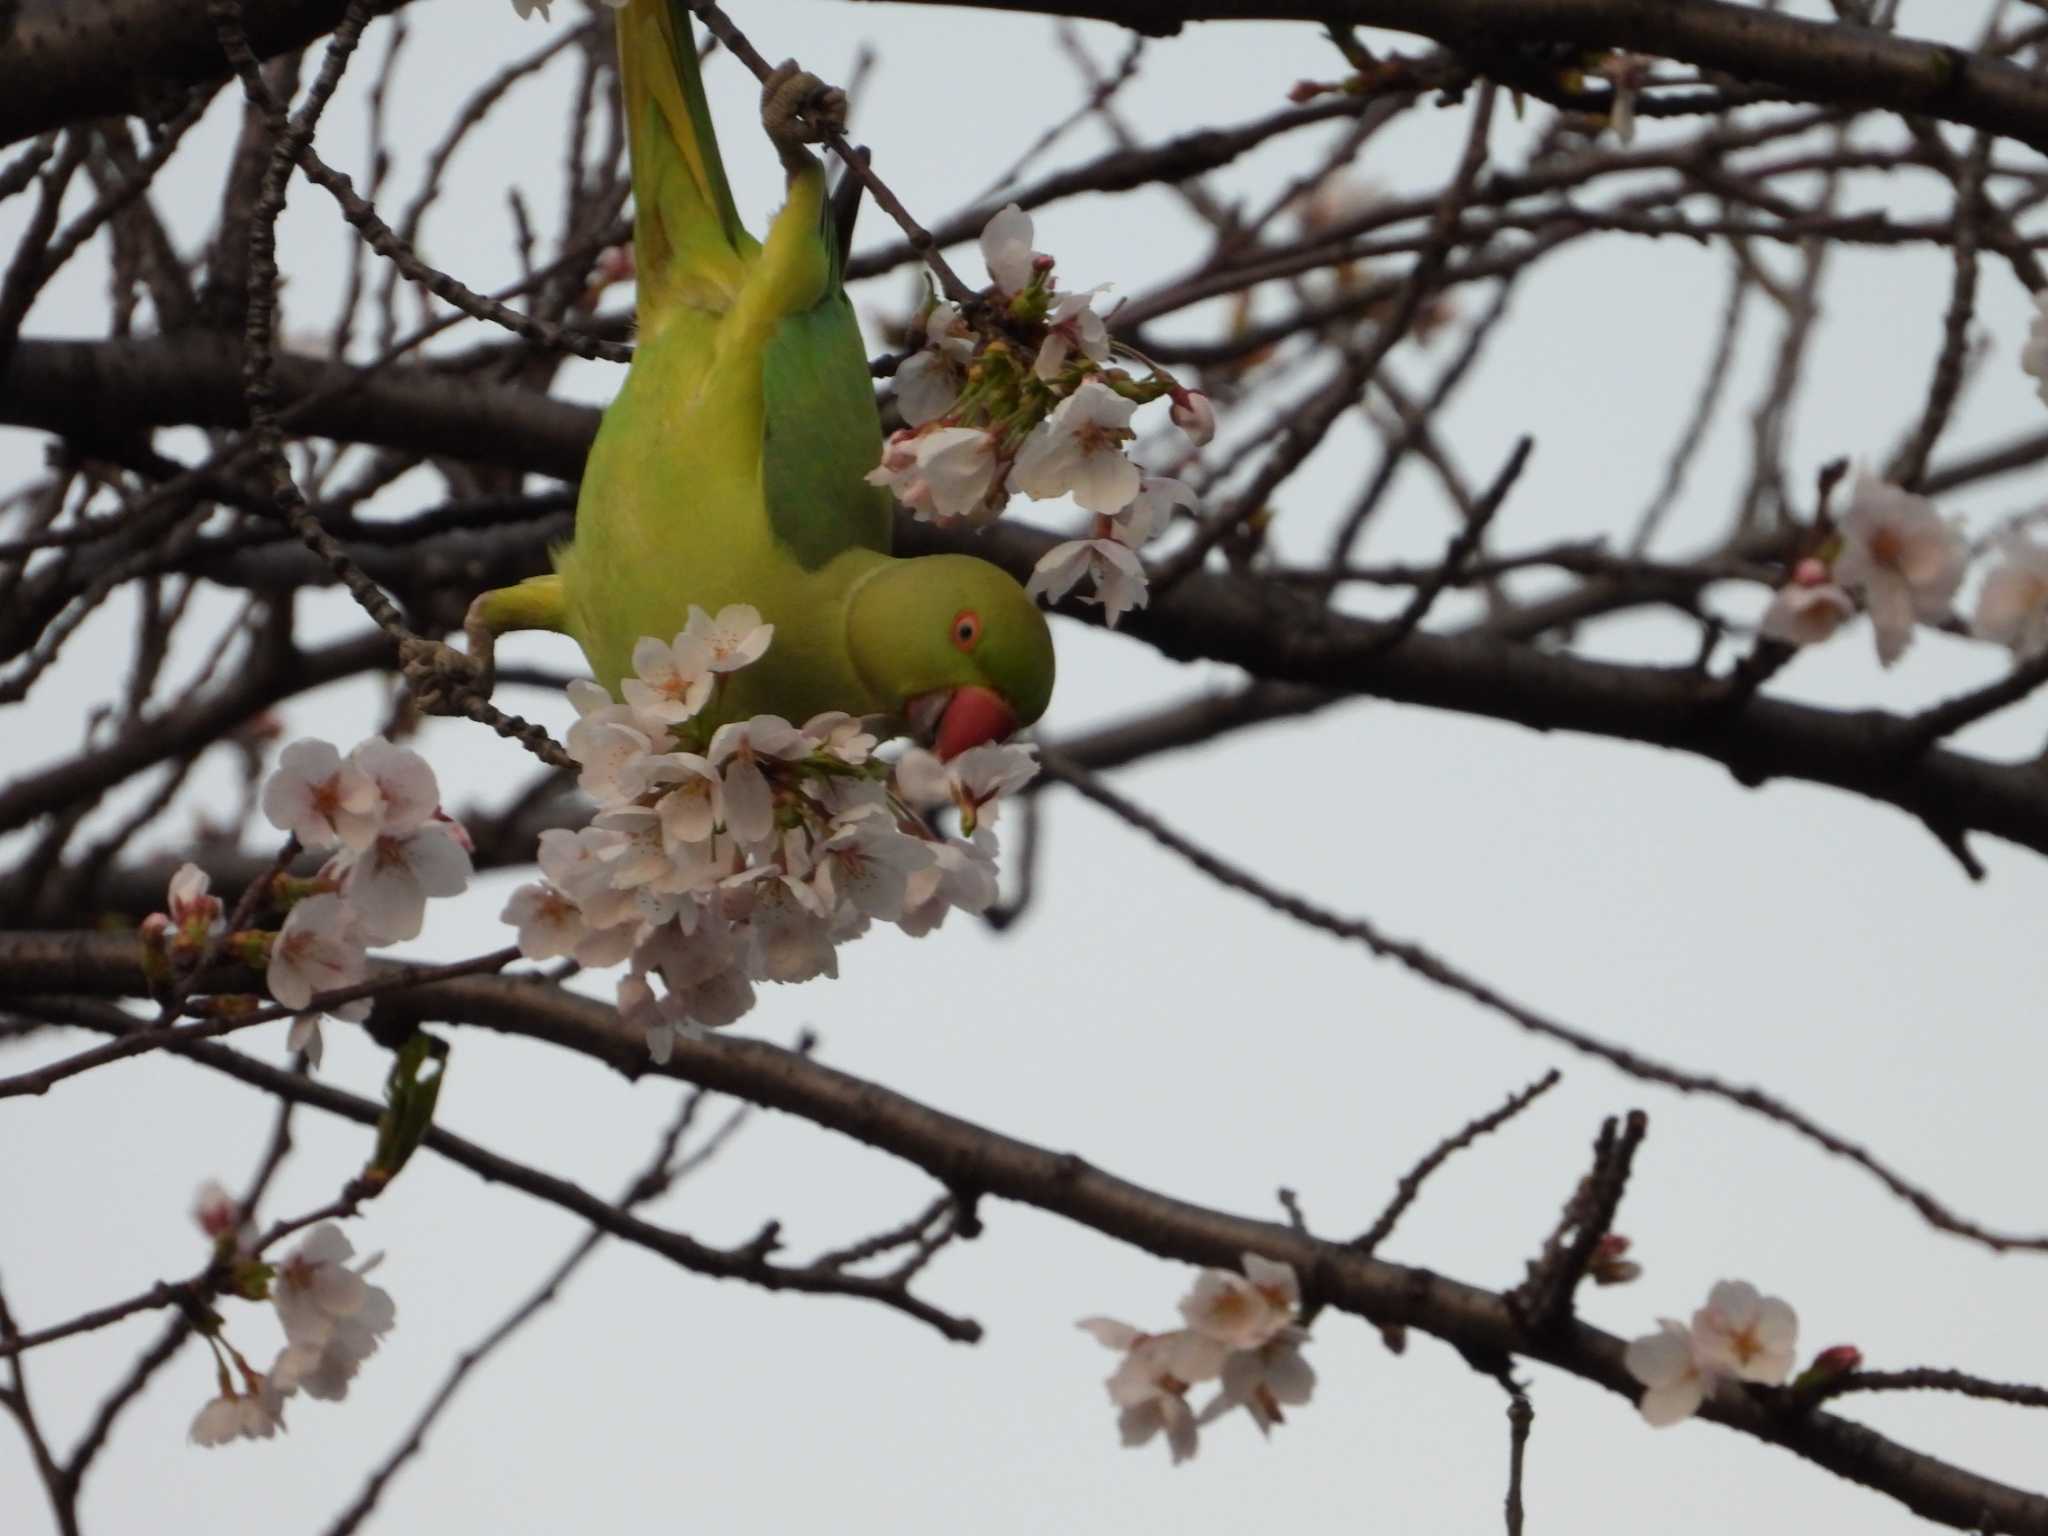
1193	414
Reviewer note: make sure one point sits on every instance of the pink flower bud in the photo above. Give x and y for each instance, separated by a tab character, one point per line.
1193	414
1810	573
1608	1265
215	1210
1837	1360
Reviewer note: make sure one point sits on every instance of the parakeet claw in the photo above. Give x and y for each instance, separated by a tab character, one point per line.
797	108
444	680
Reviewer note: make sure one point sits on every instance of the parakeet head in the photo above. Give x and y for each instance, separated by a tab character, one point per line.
952	645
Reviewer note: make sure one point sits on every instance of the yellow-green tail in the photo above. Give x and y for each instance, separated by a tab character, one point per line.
688	244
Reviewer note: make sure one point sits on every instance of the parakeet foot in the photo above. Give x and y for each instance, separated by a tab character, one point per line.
797	108
444	680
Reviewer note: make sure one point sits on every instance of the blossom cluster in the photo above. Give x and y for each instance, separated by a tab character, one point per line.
1739	1335
755	858
1242	1332
1893	555
393	847
1031	407
333	1321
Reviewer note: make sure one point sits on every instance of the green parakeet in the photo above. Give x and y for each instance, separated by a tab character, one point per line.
732	466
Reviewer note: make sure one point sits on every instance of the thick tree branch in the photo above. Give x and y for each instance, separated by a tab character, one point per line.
967	1158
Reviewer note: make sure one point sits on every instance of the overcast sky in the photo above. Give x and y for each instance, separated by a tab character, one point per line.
1166	1029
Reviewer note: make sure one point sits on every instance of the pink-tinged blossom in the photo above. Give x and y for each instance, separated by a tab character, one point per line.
333	1319
1072	326
256	1414
1901	558
1675	1380
1264	1380
1150	1385
406	788
737	751
2013	607
1801	615
1006	249
196	914
962	874
1752	1336
1194	413
867	862
388	883
616	758
695	804
320	798
550	924
215	1210
319	949
836	734
671	683
972	782
735	635
1243	1311
931	379
1116	573
1079	450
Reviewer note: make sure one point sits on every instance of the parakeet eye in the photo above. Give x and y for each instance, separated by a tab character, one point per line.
966	629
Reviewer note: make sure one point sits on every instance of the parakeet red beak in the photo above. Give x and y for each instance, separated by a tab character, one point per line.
972	717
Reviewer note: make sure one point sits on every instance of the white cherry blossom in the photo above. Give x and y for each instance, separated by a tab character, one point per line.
616	758
333	1319
550	923
320	798
1078	450
672	682
1901	558
972	782
735	636
319	949
406	787
1006	249
958	467
1151	510
2012	608
195	912
1803	615
868	862
1749	1335
1149	1387
931	379
1072	326
1675	1380
1116	573
1243	1311
256	1414
1265	1380
388	883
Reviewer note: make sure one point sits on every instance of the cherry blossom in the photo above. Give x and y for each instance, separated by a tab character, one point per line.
333	1319
321	799
2012	609
319	949
215	1210
1243	1311
1117	575
256	1414
972	782
1751	1336
735	636
406	788
946	472
1072	326
1078	449
1675	1380
550	923
1265	1379
1006	249
868	863
1806	615
1150	1385
671	683
1151	510
1901	558
388	883
931	379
